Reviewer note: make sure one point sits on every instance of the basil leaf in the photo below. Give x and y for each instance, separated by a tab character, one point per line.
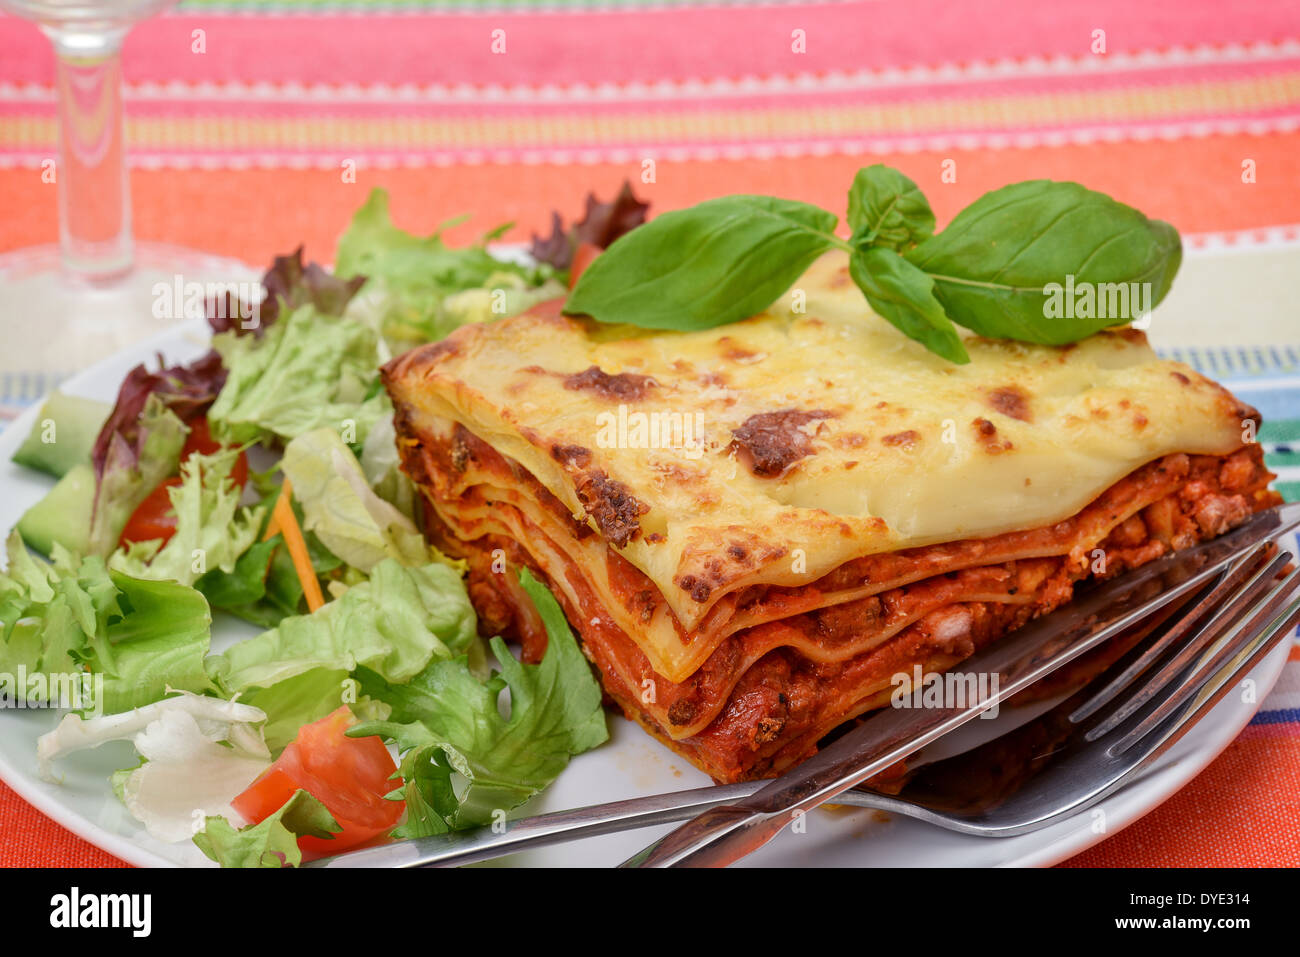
904	295
888	209
994	266
721	261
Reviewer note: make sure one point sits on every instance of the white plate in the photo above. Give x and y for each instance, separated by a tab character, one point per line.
631	764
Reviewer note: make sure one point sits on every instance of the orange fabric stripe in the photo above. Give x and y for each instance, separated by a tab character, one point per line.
1221	817
1193	183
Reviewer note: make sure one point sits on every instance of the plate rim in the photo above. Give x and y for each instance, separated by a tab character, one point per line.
1134	801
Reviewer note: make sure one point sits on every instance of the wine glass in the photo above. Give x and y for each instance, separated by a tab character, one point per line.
63	307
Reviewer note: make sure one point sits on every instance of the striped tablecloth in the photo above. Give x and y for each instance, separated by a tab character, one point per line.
245	116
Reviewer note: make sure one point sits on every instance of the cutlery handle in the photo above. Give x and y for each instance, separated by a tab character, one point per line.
716	838
484	843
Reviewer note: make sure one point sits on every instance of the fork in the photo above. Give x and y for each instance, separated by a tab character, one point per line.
1106	735
1232	591
1233	625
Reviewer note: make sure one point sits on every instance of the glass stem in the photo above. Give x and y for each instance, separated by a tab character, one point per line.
93	184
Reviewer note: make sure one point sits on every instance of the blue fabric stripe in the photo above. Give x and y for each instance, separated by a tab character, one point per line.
1280	716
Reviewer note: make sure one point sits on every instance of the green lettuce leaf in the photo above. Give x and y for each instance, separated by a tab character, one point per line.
131	471
339	506
445	719
264	587
212	529
51	614
123	639
394	624
272	842
297	701
419	289
159	643
307	371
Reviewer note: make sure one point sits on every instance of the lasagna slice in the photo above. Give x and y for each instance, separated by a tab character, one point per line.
754	528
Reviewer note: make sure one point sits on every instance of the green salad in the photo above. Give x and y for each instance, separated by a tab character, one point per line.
261	482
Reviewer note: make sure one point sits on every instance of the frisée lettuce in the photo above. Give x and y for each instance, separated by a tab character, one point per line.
212	529
447	720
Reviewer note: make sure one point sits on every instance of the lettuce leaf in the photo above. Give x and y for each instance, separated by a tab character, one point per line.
140	442
289	284
446	720
50	616
600	225
129	469
339	506
158	644
394	624
307	371
273	842
415	281
212	529
75	620
197	754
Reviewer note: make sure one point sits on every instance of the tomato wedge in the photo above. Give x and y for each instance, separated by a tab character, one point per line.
154	518
582	257
350	776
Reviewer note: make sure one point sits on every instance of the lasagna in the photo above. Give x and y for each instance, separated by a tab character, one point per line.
754	528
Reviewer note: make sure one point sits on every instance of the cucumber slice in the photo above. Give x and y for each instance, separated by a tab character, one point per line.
64	434
63	516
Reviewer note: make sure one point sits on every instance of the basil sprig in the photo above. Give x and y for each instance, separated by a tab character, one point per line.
993	270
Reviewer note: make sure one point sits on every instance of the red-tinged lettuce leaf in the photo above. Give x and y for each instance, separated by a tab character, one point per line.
291	284
602	224
131	469
140	443
187	390
288	284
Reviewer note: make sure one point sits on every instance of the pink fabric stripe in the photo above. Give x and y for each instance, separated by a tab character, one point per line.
650	45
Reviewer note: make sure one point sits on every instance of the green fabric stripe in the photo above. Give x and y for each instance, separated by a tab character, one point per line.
1290	490
1282	460
1280	430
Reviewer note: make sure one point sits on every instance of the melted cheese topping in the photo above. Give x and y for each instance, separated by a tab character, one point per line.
895	447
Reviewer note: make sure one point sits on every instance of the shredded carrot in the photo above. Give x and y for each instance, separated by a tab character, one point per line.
286	523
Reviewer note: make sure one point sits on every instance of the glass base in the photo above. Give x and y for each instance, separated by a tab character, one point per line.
53	323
